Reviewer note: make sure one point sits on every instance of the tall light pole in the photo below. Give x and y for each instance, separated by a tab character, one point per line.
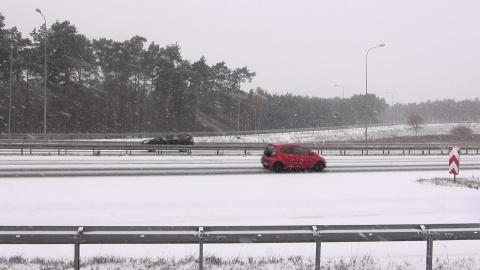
10	95
366	89
45	78
391	110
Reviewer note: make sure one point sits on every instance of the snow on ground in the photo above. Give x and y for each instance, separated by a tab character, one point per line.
285	199
333	135
341	135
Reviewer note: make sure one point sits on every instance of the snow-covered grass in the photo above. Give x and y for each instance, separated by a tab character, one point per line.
334	135
212	262
472	182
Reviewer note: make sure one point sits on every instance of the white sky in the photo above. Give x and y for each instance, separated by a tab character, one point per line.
300	47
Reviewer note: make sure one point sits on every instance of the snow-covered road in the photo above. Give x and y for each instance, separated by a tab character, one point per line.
113	166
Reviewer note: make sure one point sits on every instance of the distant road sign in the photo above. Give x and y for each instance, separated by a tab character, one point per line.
454	160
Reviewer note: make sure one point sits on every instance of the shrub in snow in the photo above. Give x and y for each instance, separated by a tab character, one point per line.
461	131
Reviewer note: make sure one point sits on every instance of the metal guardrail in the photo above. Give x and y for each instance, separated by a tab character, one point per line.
78	235
98	147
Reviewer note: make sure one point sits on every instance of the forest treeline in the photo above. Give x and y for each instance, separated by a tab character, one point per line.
107	86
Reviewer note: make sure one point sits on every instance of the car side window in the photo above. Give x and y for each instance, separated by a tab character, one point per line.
301	151
287	150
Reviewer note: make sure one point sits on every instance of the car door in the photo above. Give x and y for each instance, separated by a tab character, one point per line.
183	139
303	158
287	156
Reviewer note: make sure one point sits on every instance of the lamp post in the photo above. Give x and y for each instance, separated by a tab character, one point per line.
10	95
391	110
45	78
366	89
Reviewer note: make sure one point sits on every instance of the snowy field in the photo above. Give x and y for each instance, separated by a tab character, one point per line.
286	199
266	199
342	135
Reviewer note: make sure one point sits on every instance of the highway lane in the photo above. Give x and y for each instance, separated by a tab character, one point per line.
73	166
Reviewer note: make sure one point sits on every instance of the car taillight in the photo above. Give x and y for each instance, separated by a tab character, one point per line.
190	137
274	152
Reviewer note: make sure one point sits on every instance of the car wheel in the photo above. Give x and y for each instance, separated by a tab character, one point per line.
319	166
277	167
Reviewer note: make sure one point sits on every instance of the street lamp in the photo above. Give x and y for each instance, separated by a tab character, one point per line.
391	110
45	78
366	89
10	95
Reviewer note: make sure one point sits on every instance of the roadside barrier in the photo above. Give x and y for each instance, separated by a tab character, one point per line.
318	234
15	147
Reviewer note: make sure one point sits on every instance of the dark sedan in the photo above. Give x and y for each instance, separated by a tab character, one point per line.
176	139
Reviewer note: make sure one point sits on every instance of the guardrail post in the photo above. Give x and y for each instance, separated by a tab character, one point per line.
200	256
200	251
76	256
429	263
318	251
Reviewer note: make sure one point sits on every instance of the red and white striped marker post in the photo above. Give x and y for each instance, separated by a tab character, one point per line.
454	161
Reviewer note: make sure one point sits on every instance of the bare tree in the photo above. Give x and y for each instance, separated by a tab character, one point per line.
415	121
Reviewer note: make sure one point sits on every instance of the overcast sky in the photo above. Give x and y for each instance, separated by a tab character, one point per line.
432	47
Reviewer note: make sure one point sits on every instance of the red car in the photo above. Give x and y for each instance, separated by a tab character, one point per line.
281	156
